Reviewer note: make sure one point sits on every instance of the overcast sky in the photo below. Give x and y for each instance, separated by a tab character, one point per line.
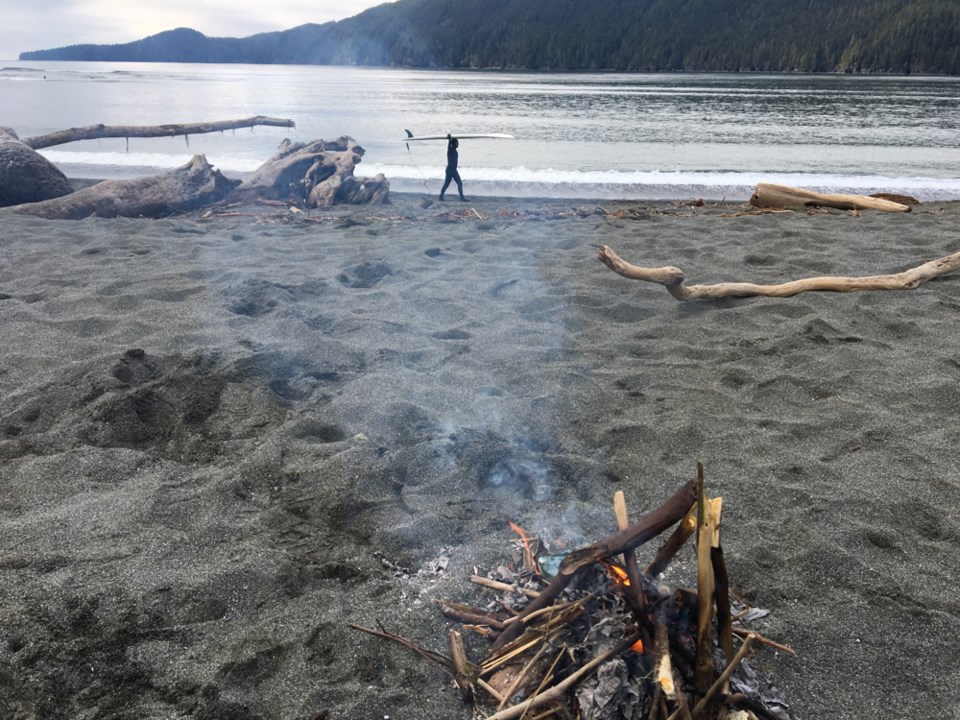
42	24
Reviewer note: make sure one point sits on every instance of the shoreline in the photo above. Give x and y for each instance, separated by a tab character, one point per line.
225	438
516	70
417	201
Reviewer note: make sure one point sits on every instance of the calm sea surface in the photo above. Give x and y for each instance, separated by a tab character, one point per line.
577	135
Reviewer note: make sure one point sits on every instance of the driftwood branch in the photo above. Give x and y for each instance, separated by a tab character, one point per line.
94	132
463	669
708	536
672	279
722	592
671	512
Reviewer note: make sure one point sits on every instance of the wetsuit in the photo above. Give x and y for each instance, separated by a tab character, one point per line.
452	158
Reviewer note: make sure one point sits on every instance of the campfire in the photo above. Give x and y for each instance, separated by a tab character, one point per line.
588	635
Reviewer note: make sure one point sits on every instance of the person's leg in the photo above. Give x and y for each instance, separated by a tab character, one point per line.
446	184
456	177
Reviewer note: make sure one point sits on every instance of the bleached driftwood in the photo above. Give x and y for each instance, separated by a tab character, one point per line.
672	279
316	174
94	132
767	195
185	188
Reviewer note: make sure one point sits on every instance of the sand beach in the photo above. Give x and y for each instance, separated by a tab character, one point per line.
224	438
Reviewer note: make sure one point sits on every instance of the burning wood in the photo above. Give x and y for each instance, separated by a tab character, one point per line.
604	641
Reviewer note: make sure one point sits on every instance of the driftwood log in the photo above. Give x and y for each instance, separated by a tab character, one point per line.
767	195
672	279
183	189
95	132
316	174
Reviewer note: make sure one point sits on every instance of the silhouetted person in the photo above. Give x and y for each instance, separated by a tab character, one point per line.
452	158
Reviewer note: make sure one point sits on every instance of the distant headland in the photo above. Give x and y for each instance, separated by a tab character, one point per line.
869	36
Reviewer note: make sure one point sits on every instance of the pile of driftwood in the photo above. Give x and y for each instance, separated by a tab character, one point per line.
310	175
596	638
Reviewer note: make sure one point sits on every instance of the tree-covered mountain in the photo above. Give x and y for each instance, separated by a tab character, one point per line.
875	36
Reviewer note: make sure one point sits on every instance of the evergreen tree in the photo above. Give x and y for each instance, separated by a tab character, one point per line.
873	36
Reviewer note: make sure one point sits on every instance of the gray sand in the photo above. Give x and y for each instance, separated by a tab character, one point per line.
218	437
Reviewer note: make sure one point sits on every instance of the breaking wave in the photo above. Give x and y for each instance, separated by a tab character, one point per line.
549	183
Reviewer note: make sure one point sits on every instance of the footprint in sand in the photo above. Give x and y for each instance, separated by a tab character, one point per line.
256	297
453	334
365	275
321	433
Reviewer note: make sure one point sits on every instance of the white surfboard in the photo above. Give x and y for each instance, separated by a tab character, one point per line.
495	136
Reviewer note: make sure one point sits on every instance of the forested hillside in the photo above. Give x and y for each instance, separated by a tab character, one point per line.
875	36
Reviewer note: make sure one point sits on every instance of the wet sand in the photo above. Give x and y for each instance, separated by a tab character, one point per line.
221	437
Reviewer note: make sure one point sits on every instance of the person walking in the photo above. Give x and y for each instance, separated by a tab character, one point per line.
453	158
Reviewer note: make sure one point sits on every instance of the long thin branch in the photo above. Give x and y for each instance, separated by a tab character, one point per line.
426	653
94	132
670	512
672	279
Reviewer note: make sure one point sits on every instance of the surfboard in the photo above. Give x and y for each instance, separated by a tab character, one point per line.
494	136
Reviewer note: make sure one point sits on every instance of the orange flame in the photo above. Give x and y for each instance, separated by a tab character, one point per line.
618	574
529	561
521	532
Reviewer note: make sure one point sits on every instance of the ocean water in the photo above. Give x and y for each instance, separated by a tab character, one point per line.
577	135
